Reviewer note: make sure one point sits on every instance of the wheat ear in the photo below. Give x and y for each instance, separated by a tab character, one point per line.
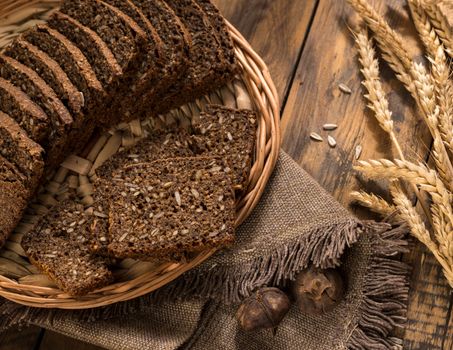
420	175
419	231
378	102
440	23
373	202
391	43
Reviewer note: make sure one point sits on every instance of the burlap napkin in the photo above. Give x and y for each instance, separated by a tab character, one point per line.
295	224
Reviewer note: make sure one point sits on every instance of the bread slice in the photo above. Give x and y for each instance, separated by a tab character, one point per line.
71	60
159	145
24	111
57	246
13	198
228	133
49	70
122	35
176	42
225	40
149	76
43	95
206	59
169	208
20	150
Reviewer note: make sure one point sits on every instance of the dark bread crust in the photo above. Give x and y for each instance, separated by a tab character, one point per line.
24	111
153	206
20	150
43	95
13	198
49	70
58	247
228	133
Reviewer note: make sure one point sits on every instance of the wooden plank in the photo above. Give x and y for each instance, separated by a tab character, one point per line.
276	30
15	339
328	59
53	341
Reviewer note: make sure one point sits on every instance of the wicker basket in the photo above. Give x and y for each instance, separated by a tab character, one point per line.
23	283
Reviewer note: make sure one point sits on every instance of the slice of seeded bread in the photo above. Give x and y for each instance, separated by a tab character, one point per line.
228	133
24	111
13	198
149	75
122	35
71	59
169	208
176	42
207	63
226	42
58	247
20	150
49	70
43	95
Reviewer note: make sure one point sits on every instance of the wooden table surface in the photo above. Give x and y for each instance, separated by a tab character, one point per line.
309	50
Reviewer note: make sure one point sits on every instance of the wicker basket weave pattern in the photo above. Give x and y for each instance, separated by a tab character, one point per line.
25	284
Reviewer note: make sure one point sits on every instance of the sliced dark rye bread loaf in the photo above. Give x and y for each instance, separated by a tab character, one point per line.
169	208
228	133
14	197
49	70
226	42
31	118
71	59
44	96
149	77
206	58
57	247
20	150
96	51
176	47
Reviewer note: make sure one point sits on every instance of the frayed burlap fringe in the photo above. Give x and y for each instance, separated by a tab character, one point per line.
385	293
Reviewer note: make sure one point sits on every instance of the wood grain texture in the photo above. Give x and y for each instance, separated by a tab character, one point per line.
15	339
54	341
276	29
314	99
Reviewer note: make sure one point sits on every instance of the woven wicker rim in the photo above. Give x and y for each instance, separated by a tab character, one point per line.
254	89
